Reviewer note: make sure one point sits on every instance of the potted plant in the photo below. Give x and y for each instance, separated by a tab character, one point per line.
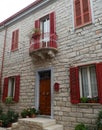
12	115
99	121
93	100
32	112
81	126
0	123
24	113
9	100
6	119
84	99
36	33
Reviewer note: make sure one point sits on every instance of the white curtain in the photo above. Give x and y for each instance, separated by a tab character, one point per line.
88	82
93	81
84	78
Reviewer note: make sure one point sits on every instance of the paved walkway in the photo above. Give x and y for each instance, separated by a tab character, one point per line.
4	128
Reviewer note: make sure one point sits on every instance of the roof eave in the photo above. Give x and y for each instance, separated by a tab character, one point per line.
23	12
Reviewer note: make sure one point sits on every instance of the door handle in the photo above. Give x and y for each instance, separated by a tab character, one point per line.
47	93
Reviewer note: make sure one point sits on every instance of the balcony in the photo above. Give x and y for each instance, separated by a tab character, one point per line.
43	46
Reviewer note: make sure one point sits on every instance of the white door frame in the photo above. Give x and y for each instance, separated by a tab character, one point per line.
37	86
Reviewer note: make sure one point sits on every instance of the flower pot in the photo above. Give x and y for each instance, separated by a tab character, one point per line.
0	122
92	101
32	115
36	35
9	125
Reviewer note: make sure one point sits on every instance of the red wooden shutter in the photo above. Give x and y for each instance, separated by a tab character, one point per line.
86	11
52	30
37	41
74	85
16	39
77	12
12	47
5	89
37	24
17	88
52	23
99	80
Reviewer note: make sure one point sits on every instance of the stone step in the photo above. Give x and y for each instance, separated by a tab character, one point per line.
54	127
43	122
8	128
2	128
38	123
14	125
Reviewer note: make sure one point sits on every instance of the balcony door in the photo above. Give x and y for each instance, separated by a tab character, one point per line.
45	27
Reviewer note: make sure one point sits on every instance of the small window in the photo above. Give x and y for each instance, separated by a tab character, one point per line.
11	88
88	83
14	45
82	13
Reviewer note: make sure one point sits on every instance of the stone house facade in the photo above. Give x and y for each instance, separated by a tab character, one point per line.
55	69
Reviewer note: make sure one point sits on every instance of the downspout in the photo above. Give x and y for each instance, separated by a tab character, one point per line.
3	56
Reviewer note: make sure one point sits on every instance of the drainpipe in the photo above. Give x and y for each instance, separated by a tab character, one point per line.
3	55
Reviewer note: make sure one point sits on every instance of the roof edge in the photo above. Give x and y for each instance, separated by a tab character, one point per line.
19	12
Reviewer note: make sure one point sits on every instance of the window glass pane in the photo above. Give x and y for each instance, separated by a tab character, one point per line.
48	25
45	24
84	80
11	87
45	75
93	81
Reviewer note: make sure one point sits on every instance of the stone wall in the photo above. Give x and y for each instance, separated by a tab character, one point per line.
75	47
2	35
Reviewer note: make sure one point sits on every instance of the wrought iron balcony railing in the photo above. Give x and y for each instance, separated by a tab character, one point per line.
43	41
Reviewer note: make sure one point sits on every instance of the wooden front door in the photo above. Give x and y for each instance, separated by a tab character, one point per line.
45	97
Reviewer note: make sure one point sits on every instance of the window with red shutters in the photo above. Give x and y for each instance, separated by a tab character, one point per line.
48	31
11	88
82	12
86	81
15	35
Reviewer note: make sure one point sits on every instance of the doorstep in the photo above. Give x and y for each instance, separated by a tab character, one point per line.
38	123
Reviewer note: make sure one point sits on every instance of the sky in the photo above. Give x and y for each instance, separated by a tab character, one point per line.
10	7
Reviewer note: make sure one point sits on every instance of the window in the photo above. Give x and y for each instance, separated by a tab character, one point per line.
11	88
45	27
14	45
82	12
48	31
86	81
